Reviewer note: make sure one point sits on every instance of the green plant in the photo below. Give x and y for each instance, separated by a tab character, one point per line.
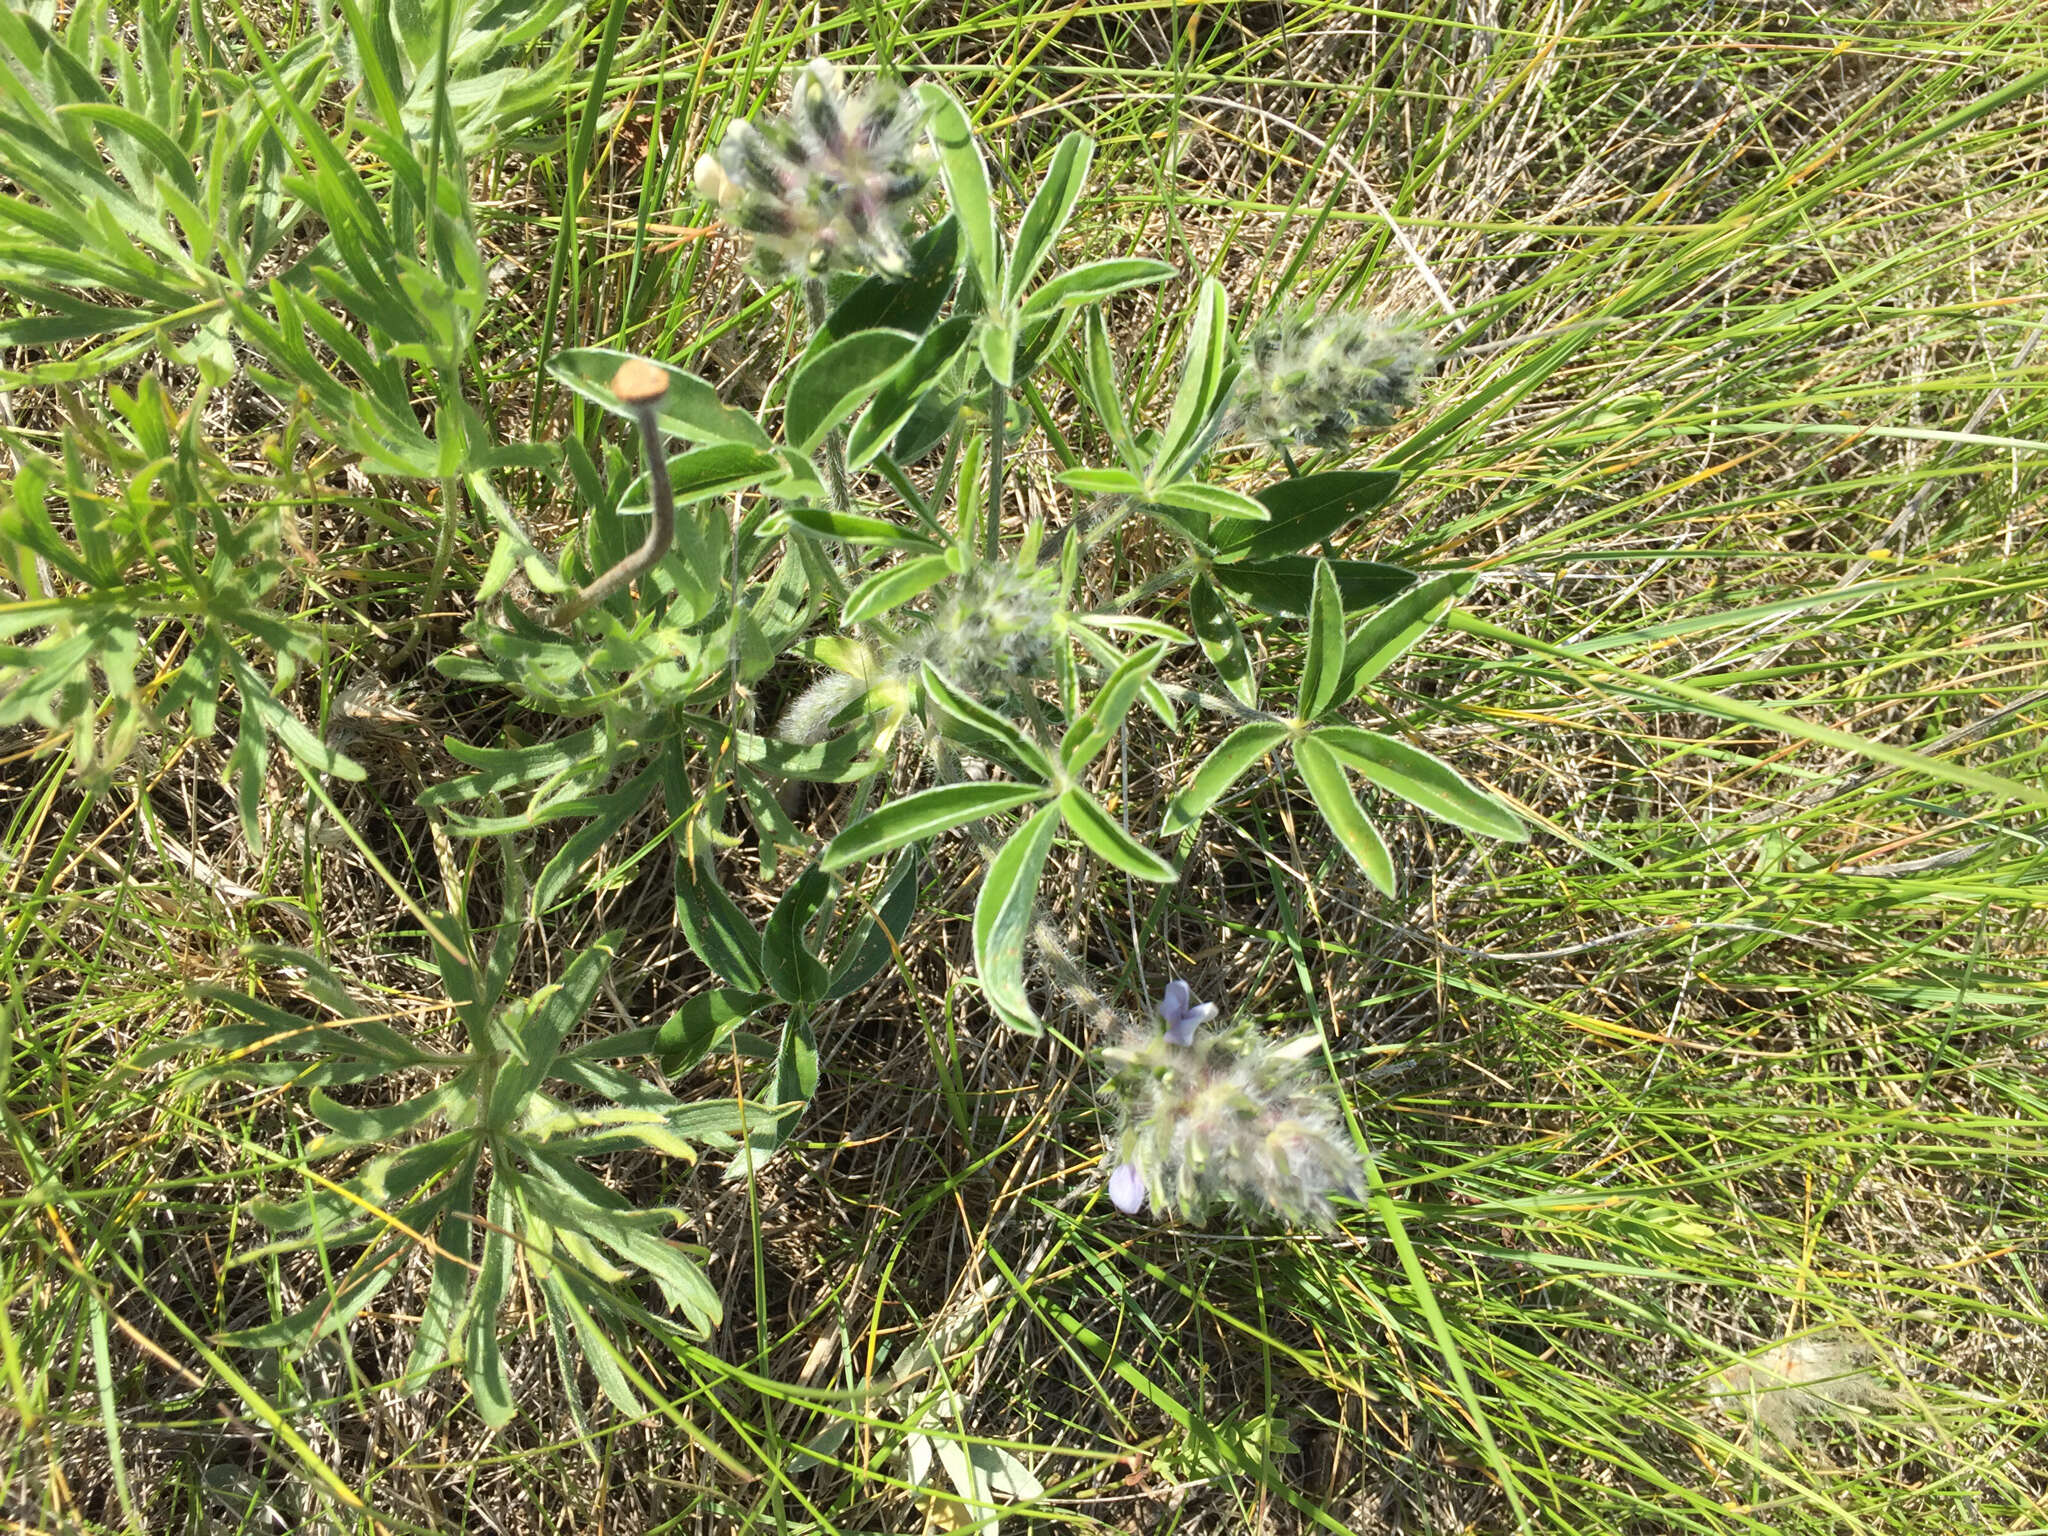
480	1172
947	634
277	262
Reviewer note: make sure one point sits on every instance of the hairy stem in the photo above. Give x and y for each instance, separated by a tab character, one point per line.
836	483
992	513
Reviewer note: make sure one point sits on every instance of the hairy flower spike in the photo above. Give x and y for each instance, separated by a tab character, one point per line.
1224	1117
997	628
827	186
1318	379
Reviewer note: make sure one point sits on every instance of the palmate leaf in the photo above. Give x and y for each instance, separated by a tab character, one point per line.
483	1363
1102	482
892	587
1097	726
879	937
448	1288
609	815
543	1211
967	186
348	1127
1231	760
387	1197
131	545
1382	638
572	1199
690	408
1104	391
970	723
357	1286
1206	374
858	528
531	1036
1283	588
566	1312
1322	666
1093	282
767	1127
1108	655
1208	501
505	64
1089	821
1050	208
702	1024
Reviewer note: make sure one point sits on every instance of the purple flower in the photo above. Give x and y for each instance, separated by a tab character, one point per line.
1224	1115
1182	1013
1127	1189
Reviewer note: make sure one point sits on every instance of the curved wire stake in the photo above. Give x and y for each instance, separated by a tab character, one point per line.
639	386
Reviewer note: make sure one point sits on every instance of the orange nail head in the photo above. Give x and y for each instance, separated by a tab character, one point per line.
638	381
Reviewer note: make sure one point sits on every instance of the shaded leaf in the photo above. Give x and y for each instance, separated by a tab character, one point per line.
828	384
794	971
1222	641
1305	510
908	303
1284	587
906	387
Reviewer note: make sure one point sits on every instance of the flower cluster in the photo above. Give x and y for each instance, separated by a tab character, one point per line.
1317	379
995	629
829	185
1224	1117
993	632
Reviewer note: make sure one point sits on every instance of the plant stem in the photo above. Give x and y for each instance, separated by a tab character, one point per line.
992	513
836	483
